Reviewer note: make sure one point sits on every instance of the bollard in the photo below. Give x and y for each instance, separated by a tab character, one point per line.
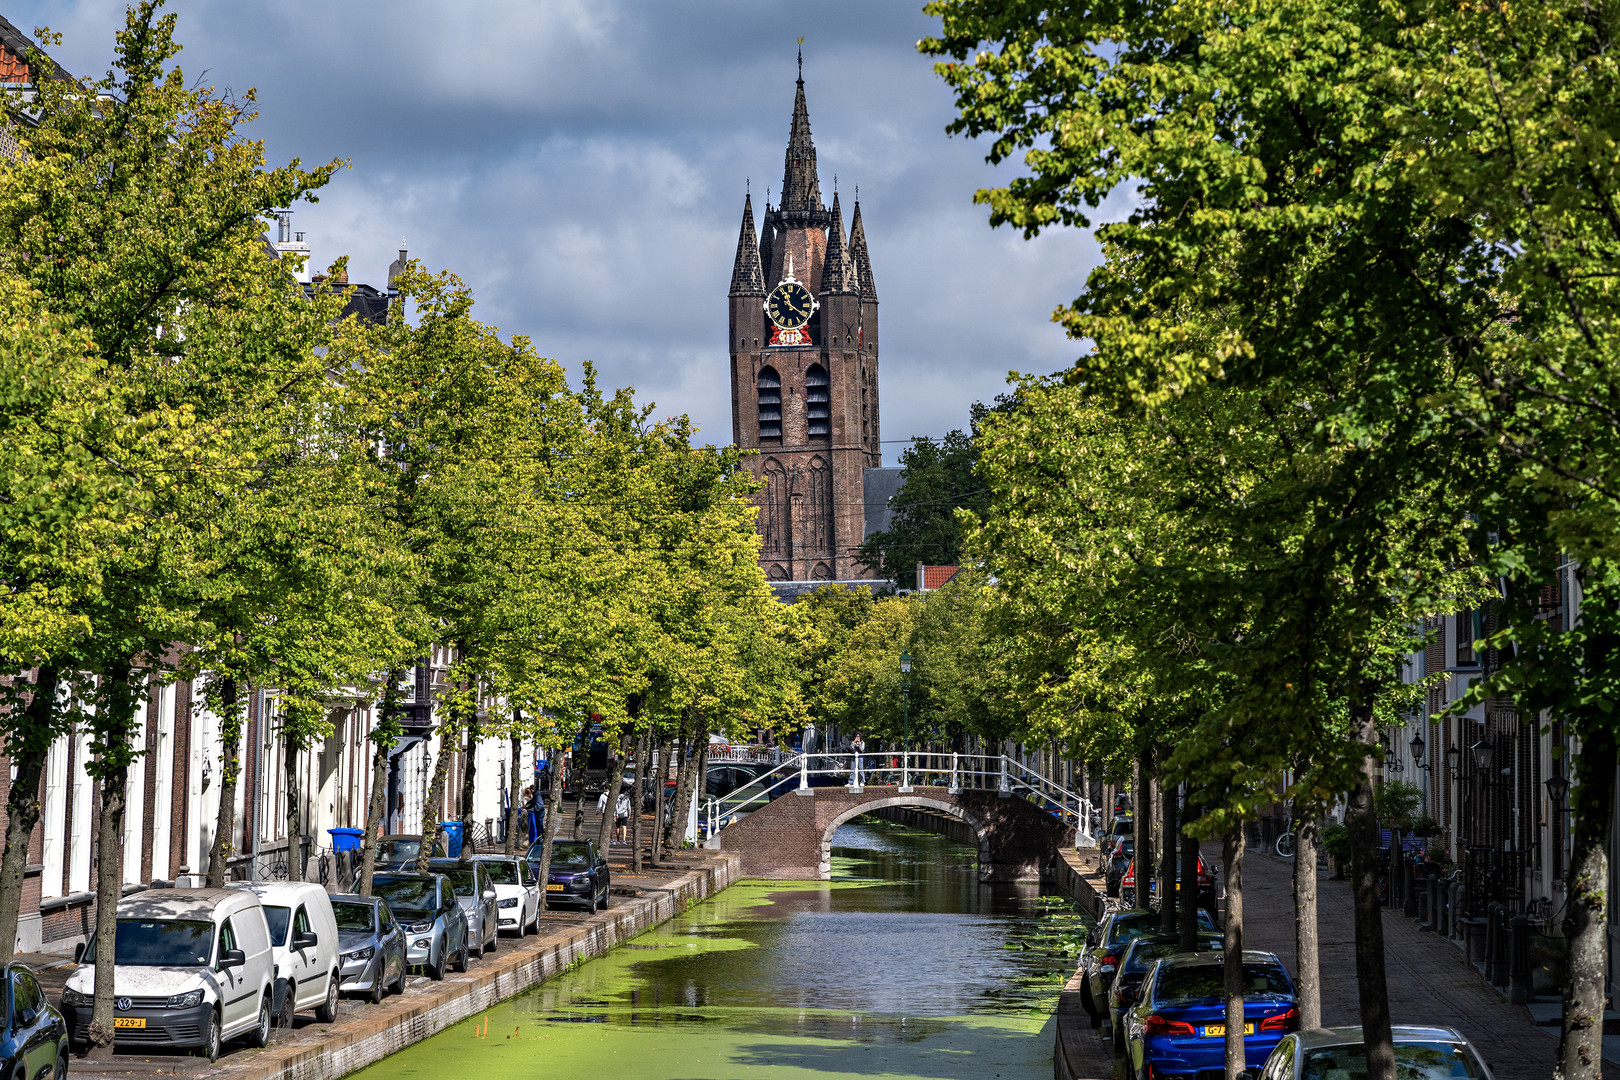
1409	890
1454	910
1496	967
1521	991
1474	931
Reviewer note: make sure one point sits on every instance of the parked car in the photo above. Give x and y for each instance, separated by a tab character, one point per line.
34	1042
1134	963
397	851
1107	944
195	966
1122	826
434	924
579	874
304	942
1206	884
1178	1026
1119	857
1421	1053
476	895
1122	804
372	943
517	892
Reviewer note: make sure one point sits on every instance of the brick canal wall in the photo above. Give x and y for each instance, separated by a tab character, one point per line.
407	1020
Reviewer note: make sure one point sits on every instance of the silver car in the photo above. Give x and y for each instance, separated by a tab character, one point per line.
435	926
1421	1053
476	894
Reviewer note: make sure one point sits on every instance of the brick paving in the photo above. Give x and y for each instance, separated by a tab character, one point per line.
1429	980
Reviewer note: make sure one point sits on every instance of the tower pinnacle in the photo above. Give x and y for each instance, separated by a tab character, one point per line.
747	279
801	190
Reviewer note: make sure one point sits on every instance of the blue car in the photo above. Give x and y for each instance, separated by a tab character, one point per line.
1178	1026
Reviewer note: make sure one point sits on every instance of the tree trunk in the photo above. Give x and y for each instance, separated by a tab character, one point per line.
548	826
673	812
114	725
1580	1044
1189	885
660	802
1142	809
514	790
469	765
230	761
604	832
295	825
1370	980
384	737
1235	843
643	778
1308	976
1169	813
27	744
431	828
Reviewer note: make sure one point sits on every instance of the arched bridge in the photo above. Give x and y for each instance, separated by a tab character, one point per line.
782	825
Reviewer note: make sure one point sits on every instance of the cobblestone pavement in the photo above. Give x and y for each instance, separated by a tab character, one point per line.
1429	981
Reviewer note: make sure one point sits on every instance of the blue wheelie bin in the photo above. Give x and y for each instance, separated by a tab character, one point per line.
452	838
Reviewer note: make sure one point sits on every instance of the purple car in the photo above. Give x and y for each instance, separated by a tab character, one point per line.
579	874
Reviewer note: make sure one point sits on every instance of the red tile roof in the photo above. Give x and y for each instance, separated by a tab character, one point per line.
933	577
13	69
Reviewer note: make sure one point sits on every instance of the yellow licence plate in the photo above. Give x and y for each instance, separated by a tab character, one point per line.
553	888
1218	1031
129	1021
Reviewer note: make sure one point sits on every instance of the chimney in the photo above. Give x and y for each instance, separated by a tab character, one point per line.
294	248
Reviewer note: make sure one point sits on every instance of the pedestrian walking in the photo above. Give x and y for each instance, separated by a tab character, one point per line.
621	816
601	802
857	747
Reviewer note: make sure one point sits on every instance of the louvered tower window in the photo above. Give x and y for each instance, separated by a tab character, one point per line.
770	406
818	402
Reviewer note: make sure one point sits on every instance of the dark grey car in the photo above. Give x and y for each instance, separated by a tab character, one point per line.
1421	1053
34	1041
371	947
434	924
476	895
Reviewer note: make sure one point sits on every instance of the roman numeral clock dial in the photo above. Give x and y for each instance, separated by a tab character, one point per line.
789	307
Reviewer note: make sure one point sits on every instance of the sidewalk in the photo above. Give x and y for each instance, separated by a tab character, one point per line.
1429	981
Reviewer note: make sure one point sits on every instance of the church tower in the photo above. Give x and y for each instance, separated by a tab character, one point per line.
804	385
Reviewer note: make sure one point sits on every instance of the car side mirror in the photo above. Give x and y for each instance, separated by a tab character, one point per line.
232	958
306	940
489	894
26	1017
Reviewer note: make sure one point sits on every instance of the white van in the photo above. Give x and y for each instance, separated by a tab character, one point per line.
304	940
192	969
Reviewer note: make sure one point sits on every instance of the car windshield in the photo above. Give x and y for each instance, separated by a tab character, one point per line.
1191	983
1143	953
570	856
1126	928
405	896
163	943
353	916
276	919
398	850
1413	1061
461	881
503	872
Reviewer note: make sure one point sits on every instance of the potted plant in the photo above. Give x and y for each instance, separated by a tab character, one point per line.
1336	842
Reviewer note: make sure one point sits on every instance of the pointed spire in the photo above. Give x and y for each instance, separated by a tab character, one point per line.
747	279
837	275
860	262
801	190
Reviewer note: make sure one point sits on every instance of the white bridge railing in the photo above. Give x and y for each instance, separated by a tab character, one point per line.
905	772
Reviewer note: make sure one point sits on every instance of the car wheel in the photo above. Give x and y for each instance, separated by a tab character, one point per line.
261	1032
1119	1038
436	971
285	1017
326	1011
1085	998
377	989
399	983
61	1063
210	1046
491	942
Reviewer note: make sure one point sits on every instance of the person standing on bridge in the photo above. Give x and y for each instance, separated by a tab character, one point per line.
856	747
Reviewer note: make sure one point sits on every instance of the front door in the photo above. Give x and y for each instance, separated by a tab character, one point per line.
305	962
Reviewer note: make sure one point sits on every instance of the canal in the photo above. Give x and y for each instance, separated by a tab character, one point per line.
902	966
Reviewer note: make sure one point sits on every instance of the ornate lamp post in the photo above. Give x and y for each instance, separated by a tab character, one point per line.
905	713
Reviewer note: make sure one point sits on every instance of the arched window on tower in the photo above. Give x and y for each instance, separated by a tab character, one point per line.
818	402
770	405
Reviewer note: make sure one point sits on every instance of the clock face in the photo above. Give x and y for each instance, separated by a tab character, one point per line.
790	305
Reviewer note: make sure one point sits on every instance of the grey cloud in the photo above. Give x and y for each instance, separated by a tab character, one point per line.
581	164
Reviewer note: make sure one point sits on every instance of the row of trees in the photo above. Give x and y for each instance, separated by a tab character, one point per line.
1352	364
210	474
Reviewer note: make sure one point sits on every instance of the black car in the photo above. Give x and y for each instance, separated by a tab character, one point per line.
1107	944
34	1044
1139	955
579	874
1119	857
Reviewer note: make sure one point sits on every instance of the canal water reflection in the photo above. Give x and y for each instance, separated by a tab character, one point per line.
902	966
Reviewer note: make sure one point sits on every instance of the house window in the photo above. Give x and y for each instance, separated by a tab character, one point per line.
818	402
770	405
1466	656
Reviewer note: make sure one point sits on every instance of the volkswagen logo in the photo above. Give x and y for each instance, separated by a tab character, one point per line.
122	1004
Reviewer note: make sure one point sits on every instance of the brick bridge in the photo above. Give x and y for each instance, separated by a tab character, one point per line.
791	837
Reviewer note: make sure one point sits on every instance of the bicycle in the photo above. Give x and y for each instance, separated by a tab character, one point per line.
1285	845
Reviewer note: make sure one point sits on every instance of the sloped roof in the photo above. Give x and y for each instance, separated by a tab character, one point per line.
14	46
933	577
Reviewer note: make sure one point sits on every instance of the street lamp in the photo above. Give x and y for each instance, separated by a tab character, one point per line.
905	689
1417	747
1557	789
1454	757
1482	752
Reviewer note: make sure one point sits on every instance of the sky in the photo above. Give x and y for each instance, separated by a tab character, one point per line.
581	165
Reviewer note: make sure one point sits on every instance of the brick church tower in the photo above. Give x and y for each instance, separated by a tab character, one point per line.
804	371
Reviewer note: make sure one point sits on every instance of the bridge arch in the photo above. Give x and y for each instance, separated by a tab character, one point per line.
943	806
